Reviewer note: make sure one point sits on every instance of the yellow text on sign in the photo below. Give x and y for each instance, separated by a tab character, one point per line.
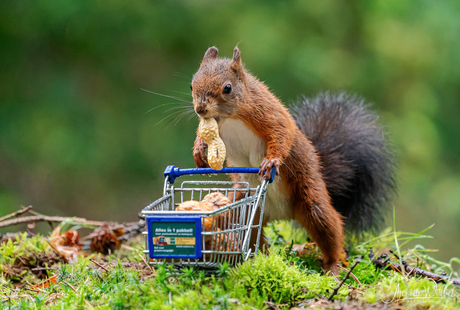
185	241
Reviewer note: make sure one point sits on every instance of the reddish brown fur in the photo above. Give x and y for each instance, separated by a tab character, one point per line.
288	149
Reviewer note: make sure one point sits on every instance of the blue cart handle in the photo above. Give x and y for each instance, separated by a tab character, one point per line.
173	172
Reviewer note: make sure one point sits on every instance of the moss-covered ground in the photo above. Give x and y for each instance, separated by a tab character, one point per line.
32	279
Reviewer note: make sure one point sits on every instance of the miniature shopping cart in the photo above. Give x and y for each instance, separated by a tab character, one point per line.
186	238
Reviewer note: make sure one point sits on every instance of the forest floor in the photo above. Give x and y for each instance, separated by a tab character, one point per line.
59	270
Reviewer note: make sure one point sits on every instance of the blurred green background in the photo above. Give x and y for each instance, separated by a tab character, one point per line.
79	137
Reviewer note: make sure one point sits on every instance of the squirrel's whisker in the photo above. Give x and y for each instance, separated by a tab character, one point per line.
175	114
179	92
163	119
192	115
180	116
182	75
165	104
177	108
167	96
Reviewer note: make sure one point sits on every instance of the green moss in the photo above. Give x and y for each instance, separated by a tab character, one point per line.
23	246
282	281
280	277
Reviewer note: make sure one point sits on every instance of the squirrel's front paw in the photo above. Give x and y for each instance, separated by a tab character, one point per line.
199	155
266	167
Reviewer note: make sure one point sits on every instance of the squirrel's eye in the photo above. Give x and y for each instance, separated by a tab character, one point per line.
191	88
227	89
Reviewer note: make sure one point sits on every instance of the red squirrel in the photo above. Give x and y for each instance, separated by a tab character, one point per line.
334	166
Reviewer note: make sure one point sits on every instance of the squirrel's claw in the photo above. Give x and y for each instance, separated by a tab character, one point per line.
266	167
199	155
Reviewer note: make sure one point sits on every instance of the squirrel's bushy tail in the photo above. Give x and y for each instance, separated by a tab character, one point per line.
357	161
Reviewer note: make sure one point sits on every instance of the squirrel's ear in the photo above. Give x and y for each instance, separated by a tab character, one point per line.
236	54
236	61
211	53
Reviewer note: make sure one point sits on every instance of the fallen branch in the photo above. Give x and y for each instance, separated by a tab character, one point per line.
44	218
427	274
272	305
383	262
336	289
16	214
131	230
319	295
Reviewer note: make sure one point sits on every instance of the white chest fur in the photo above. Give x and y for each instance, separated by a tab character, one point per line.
246	149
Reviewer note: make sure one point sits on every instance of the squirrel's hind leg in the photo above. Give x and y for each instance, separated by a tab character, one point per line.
325	228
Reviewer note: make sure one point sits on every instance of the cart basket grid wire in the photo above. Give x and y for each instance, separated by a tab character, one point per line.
224	233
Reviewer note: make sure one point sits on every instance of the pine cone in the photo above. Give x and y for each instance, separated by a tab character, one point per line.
105	238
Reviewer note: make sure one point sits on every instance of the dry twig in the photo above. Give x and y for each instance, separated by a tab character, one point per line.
148	265
76	292
44	218
16	214
99	265
272	305
336	289
351	274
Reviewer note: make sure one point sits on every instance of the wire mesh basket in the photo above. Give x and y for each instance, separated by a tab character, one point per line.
204	239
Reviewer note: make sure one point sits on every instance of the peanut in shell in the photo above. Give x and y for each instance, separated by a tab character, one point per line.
209	132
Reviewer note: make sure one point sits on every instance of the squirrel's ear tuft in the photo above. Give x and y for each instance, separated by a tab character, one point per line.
236	61
236	54
211	53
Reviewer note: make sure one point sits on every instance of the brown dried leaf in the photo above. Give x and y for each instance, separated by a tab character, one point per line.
66	244
45	283
304	248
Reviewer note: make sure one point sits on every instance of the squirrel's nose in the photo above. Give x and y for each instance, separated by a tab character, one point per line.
201	110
